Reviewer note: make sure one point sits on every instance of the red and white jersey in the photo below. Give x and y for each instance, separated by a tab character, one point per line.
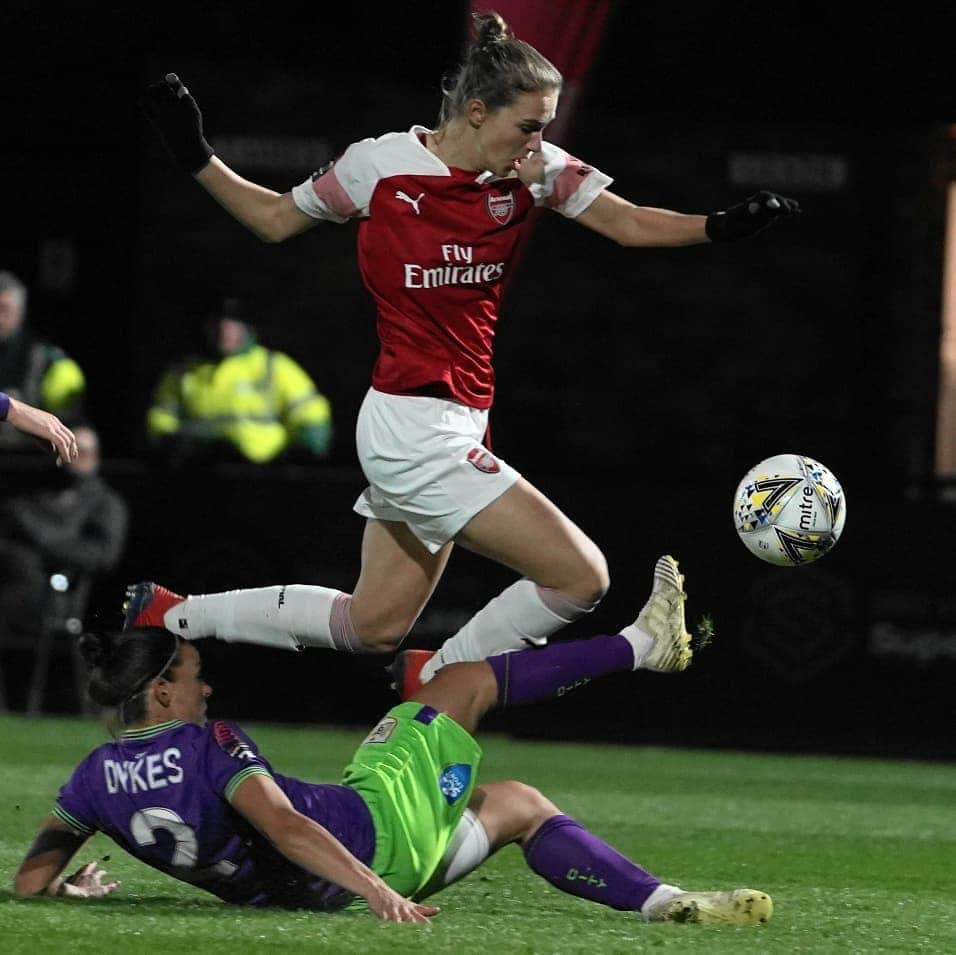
434	246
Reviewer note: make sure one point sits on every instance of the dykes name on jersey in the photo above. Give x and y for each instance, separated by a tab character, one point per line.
459	270
155	771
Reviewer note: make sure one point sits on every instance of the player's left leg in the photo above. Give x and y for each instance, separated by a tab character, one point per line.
564	575
574	860
466	691
557	847
657	640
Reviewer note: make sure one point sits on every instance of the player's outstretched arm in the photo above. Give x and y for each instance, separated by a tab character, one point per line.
41	424
173	111
40	872
631	225
301	840
272	216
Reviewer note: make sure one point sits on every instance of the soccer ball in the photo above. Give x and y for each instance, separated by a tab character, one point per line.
789	510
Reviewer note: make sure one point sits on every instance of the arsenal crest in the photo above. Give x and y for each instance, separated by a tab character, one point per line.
502	208
483	461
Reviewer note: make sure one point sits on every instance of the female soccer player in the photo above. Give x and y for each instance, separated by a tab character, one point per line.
200	803
439	215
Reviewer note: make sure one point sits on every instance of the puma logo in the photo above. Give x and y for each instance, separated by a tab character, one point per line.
405	197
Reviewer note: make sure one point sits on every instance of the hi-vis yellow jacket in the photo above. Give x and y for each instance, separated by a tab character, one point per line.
260	400
40	374
63	385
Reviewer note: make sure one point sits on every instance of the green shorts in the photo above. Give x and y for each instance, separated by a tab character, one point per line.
416	772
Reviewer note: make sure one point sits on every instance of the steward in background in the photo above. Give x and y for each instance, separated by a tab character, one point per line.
238	401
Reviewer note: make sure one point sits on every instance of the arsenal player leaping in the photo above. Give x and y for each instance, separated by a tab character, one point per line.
439	213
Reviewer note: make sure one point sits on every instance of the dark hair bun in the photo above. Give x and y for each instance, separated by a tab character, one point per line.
96	648
490	29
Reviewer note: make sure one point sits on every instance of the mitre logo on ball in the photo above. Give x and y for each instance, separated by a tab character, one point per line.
789	510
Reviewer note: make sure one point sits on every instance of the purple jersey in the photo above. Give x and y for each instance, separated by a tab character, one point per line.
163	794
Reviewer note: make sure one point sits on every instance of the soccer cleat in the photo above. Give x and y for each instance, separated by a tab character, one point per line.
146	604
406	671
662	619
736	907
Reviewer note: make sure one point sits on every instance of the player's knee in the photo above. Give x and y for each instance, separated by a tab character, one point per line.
532	805
385	634
380	642
595	579
474	684
383	645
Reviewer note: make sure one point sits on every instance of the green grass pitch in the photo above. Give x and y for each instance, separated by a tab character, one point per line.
858	855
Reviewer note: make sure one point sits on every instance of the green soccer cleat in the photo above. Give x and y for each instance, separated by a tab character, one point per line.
663	619
736	907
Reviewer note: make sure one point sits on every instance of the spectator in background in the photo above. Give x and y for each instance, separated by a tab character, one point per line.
239	400
73	523
33	370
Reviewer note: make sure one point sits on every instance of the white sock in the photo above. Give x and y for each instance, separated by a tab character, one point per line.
660	896
290	617
522	615
467	849
640	642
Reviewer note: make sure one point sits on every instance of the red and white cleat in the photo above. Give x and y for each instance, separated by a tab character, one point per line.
406	671
146	604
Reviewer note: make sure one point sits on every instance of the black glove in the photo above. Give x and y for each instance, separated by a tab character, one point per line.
174	113
749	217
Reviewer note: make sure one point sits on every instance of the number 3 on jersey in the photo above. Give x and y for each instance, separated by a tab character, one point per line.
144	825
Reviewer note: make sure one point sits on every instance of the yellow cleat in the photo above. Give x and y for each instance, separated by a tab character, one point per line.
736	907
663	620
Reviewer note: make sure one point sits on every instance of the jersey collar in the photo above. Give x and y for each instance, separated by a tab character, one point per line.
418	133
148	732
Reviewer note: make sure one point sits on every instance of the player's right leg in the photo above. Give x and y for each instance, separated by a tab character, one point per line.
398	576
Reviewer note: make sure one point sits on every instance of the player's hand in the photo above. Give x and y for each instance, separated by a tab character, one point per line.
389	906
531	169
46	427
750	216
87	883
172	110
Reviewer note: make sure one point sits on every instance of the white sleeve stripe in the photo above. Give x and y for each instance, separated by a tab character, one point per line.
565	189
303	195
593	185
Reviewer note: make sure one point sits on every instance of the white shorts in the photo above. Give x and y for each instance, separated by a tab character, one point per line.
426	464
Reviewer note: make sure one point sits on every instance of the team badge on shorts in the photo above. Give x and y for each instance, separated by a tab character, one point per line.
454	781
483	461
502	208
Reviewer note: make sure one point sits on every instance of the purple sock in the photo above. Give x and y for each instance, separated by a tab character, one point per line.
573	860
527	676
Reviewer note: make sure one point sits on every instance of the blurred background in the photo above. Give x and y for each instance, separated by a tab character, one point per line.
635	387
